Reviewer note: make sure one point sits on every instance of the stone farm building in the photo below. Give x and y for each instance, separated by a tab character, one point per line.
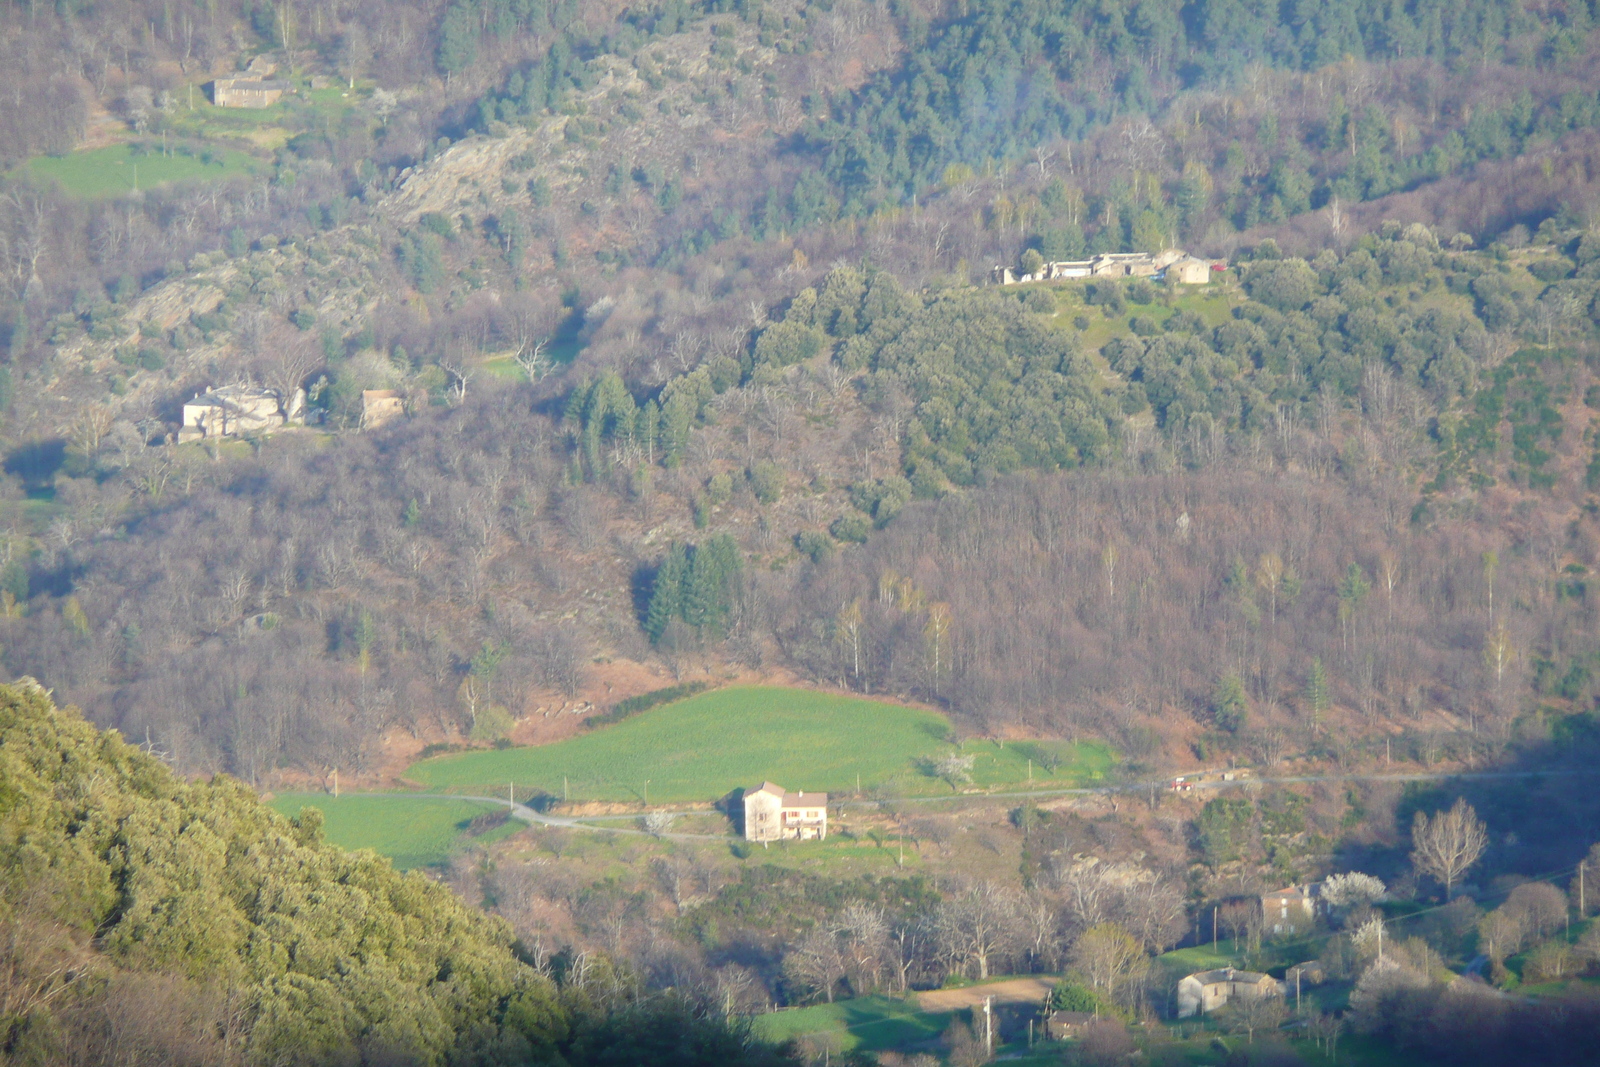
770	814
238	409
1293	908
1185	268
379	406
247	92
1206	991
1063	1025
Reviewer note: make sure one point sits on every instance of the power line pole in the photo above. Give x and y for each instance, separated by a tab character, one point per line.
988	1026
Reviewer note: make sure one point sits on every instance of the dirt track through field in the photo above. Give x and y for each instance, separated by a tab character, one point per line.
1013	991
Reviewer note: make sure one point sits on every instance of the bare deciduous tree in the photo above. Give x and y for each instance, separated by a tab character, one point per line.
1448	844
1252	1013
288	360
978	925
818	959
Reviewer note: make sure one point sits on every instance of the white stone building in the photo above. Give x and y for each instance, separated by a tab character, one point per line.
239	409
771	814
1206	991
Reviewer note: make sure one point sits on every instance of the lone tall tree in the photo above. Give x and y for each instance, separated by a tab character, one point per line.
1448	844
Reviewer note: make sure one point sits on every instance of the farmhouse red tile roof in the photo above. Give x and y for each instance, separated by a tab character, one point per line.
801	799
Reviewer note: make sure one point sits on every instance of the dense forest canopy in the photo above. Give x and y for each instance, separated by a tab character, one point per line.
148	919
1004	77
1386	384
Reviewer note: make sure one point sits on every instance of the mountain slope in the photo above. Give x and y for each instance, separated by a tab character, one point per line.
270	946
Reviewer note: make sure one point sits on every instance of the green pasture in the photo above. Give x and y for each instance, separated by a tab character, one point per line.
101	172
872	1024
1213	303
705	746
879	1023
268	127
508	369
411	831
1201	957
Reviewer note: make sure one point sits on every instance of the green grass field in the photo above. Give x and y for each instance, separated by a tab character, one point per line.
411	831
871	1024
1213	303
705	746
101	172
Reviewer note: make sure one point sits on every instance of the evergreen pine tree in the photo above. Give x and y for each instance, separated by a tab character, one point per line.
1317	695
709	585
458	39
666	594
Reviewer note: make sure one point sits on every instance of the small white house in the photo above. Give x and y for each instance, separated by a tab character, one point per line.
239	409
771	814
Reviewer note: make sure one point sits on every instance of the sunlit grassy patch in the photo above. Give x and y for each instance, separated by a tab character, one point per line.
703	747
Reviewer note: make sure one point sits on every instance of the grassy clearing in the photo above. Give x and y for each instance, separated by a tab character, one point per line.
1213	303
267	127
879	1023
1201	957
871	1024
411	831
505	367
101	172
703	747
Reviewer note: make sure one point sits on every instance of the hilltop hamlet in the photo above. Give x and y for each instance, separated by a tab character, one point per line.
1171	263
239	410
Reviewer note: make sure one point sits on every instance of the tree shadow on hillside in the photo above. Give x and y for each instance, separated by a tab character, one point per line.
1540	801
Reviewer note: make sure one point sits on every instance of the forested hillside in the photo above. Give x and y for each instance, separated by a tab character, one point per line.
1051	486
145	919
684	305
649	346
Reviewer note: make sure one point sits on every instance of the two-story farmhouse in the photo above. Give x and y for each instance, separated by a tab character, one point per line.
1293	908
1206	991
770	814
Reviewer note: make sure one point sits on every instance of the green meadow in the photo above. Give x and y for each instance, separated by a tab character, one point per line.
102	172
411	831
871	1024
704	746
